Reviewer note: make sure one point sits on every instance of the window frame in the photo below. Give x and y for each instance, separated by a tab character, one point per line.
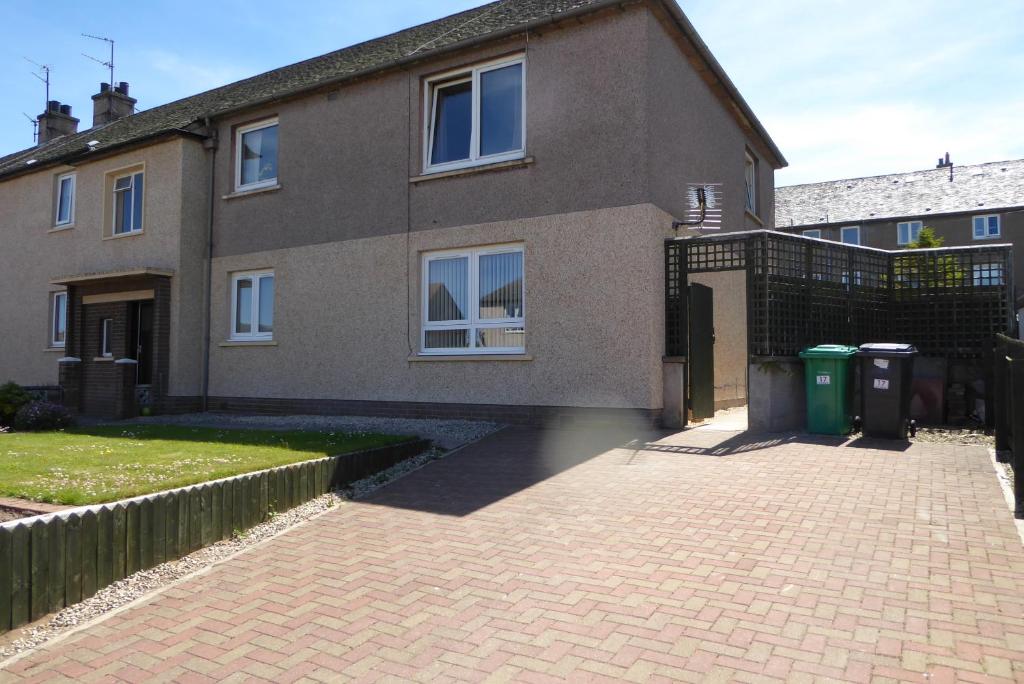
806	233
910	230
472	74
751	201
254	277
131	189
473	322
992	274
987	235
106	347
70	221
249	128
843	230
54	342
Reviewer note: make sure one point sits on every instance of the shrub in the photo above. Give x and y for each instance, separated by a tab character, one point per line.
12	398
37	416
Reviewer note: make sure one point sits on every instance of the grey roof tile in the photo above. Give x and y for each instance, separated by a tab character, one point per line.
978	187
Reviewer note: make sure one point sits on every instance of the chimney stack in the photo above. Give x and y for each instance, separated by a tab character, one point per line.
111	104
56	121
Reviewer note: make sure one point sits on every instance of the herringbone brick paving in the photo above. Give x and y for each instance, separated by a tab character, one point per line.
545	555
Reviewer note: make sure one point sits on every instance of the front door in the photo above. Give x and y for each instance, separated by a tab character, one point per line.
141	342
702	351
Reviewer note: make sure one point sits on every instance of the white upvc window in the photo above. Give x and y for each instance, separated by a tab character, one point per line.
986	227
473	301
256	155
907	232
65	210
850	235
106	350
252	306
127	212
58	319
750	182
987	274
813	233
475	116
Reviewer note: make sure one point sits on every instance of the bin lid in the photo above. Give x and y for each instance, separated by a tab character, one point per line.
887	349
828	351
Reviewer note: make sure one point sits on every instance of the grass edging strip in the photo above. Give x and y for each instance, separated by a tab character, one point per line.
54	560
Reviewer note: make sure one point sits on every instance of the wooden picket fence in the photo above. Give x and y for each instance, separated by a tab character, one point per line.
51	561
1009	409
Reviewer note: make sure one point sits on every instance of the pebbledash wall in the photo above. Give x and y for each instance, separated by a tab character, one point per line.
34	253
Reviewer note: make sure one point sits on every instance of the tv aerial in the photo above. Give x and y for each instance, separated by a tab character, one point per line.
110	63
35	126
45	78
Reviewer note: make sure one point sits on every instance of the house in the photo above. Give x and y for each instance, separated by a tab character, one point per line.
465	218
964	205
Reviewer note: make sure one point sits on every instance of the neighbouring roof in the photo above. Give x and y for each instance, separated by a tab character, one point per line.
978	187
452	32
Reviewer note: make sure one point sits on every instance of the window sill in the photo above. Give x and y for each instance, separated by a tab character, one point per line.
248	343
61	228
754	217
104	359
470	357
988	237
255	191
482	168
54	349
118	236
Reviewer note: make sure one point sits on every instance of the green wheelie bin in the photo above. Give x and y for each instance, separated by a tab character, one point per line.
827	372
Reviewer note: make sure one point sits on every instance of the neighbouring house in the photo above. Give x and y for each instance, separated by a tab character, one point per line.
465	218
964	205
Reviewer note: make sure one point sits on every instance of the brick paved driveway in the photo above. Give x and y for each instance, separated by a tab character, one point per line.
543	555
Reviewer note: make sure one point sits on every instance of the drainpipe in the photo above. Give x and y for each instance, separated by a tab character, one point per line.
210	145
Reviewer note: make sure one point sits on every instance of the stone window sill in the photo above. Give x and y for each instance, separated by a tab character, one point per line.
61	229
118	236
255	191
470	357
248	343
104	359
469	170
54	349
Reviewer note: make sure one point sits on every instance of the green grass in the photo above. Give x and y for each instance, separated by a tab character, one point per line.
107	463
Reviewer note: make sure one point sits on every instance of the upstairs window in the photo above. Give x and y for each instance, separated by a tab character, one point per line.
256	155
473	301
128	204
851	235
252	306
65	200
750	183
58	319
813	233
907	232
475	116
986	227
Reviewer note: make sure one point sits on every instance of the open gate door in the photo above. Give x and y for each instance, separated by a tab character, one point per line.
701	360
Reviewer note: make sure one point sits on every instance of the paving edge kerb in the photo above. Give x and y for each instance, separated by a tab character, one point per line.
1006	484
54	560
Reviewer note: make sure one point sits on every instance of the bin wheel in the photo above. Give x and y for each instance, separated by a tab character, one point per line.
913	428
857	423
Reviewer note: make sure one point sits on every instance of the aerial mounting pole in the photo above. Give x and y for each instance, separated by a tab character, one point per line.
35	126
109	64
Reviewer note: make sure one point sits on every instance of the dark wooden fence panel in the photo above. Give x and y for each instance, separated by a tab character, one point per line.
57	560
1009	412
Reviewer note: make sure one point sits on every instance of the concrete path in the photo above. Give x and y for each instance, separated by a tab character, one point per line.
544	555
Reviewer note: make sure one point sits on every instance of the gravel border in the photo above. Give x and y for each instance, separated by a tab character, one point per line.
954	436
446	434
144	583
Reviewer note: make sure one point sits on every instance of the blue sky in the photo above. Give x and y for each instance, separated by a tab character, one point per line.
846	88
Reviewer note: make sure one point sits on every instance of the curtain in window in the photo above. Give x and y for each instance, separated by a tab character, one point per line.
448	296
453	122
501	110
501	286
259	155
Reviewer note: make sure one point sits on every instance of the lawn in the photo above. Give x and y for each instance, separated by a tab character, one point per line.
107	463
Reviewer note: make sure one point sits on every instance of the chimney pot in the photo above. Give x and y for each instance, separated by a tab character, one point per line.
123	88
53	106
65	109
104	87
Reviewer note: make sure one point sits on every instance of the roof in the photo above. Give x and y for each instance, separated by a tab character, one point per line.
979	187
488	21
